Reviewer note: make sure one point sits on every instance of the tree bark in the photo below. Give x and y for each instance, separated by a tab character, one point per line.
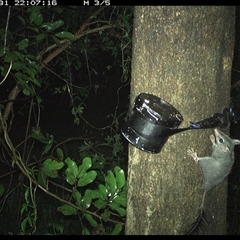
183	55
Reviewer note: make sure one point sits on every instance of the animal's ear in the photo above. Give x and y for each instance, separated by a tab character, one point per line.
212	138
236	141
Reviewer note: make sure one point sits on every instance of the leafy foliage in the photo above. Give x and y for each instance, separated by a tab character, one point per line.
96	205
41	48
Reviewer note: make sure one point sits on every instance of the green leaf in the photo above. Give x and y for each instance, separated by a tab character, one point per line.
65	35
117	229
105	214
18	65
78	198
24	208
71	171
23	82
23	225
31	72
52	26
38	20
103	192
57	227
40	37
50	167
1	189
56	40
58	9
11	57
125	22
35	9
33	16
91	220
98	165
42	179
60	153
37	134
52	164
35	81
26	92
26	194
100	203
95	194
120	200
87	178
49	144
22	20
39	100
30	56
120	177
34	29
36	66
86	200
85	231
19	55
123	193
23	79
111	182
86	164
67	210
120	210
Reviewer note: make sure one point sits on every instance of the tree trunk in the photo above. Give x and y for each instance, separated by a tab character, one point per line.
183	55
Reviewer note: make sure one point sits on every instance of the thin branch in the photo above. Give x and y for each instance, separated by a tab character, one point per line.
16	90
66	43
77	35
18	161
13	94
5	38
8	71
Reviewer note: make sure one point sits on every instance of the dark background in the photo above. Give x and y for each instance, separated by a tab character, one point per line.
109	96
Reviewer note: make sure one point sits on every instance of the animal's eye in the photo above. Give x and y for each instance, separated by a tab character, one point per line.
221	140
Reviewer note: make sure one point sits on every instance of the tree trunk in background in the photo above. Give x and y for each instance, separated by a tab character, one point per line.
183	55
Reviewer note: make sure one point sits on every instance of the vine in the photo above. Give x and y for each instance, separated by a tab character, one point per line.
90	185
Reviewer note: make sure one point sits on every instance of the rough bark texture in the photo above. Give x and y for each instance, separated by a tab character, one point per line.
182	54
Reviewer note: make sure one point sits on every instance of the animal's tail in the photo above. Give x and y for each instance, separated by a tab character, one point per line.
196	226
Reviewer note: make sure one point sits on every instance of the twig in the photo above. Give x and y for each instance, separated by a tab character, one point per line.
5	38
16	90
13	94
9	69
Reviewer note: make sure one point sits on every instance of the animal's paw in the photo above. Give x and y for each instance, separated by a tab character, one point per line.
193	154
